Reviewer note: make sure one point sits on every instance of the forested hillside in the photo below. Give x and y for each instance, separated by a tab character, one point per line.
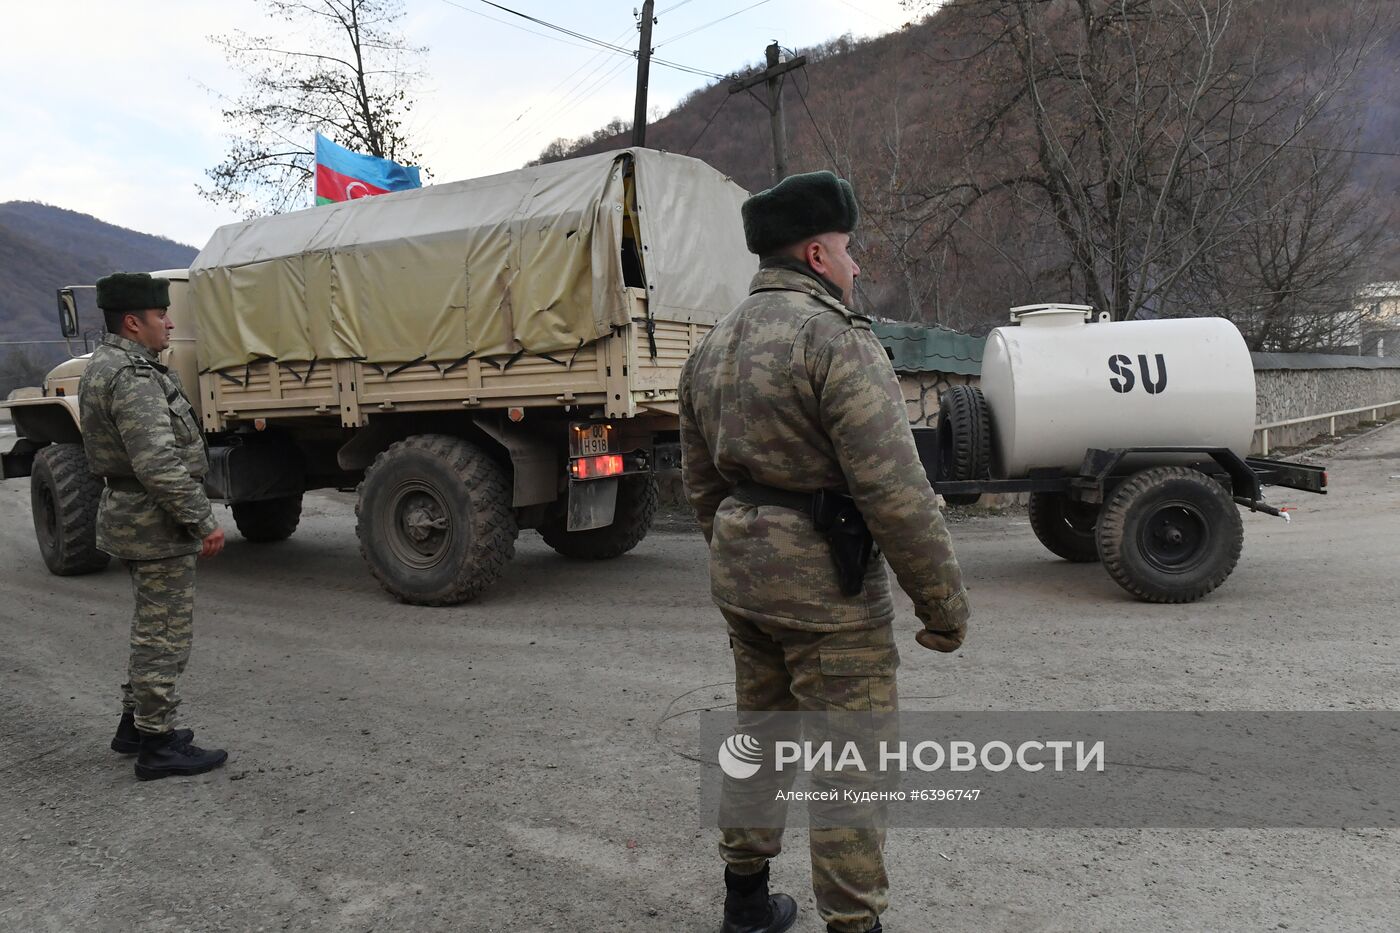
1116	154
43	248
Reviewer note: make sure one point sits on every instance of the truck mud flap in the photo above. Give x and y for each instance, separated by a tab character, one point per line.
20	460
592	504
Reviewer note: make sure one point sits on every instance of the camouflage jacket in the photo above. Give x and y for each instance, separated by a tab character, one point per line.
792	389
138	424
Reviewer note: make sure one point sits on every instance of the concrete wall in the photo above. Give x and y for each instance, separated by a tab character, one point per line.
1284	394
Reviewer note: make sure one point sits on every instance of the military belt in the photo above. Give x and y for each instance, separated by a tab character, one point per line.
124	484
758	494
834	515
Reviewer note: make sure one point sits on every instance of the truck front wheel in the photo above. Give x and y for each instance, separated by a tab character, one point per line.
434	520
636	506
1170	535
1064	526
64	496
268	519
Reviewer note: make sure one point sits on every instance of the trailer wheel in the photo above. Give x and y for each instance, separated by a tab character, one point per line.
637	502
434	520
1170	535
268	519
1065	526
64	496
965	439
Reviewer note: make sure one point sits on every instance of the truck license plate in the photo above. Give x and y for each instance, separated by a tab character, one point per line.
591	439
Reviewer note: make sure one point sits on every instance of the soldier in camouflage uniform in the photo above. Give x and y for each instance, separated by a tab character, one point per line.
141	436
790	394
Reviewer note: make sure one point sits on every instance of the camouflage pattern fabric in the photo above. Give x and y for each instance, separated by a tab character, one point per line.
792	389
137	423
781	668
162	633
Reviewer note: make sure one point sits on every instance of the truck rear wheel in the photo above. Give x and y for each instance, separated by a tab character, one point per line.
1066	527
1170	535
268	519
434	520
637	501
964	439
64	496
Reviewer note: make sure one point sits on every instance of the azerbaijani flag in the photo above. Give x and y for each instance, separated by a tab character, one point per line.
343	175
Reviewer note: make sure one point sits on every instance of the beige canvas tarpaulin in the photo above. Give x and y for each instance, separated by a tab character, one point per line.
523	261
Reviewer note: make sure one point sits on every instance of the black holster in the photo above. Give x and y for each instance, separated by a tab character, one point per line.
835	517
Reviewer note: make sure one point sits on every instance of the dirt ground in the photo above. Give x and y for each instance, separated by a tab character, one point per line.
499	766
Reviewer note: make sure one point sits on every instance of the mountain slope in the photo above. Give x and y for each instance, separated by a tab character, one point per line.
885	113
43	248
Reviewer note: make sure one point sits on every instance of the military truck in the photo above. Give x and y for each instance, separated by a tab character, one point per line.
472	358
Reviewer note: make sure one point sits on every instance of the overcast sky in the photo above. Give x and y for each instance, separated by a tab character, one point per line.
110	105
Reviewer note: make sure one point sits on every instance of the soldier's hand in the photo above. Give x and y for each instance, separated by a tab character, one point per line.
946	627
940	641
213	543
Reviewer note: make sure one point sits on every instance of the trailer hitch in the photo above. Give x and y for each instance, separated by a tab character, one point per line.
1254	505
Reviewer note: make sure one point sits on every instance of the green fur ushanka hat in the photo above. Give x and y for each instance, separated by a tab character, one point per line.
798	207
132	291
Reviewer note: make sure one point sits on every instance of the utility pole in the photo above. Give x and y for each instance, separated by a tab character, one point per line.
639	115
773	76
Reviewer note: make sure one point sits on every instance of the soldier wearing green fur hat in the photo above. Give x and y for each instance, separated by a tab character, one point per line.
791	396
141	436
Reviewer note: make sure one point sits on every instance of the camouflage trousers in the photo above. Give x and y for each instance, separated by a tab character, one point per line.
162	632
783	669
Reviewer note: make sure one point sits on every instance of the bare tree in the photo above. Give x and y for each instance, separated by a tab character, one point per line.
347	74
1146	137
1290	278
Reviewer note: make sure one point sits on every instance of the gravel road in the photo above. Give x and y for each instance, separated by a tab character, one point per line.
499	766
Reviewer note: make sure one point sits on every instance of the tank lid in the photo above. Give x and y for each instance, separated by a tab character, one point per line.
1052	314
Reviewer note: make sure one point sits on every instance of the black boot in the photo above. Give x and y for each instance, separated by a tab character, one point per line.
164	755
877	928
749	908
127	741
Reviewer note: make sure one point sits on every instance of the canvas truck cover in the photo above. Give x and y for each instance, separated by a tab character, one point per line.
526	261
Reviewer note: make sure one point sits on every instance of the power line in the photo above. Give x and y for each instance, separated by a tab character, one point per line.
821	137
609	46
558	104
583	92
557	28
711	23
542	35
722	101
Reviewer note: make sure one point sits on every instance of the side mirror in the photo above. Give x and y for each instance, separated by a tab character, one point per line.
67	313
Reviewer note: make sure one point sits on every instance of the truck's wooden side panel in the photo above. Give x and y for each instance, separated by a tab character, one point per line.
616	373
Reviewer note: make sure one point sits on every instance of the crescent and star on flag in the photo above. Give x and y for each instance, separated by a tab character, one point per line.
345	175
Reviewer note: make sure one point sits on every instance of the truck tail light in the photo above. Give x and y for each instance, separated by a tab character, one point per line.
595	467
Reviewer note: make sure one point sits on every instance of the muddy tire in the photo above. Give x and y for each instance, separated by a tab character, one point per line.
268	519
1067	528
965	439
637	502
1170	535
434	520
64	496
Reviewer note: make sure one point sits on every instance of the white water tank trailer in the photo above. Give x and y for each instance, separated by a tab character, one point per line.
1132	439
1059	383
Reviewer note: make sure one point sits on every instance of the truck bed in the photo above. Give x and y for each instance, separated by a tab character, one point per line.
616	373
